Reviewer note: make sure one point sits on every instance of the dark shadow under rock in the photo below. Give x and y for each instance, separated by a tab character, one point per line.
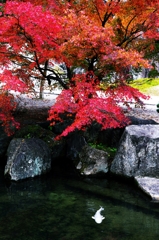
75	143
140	121
4	142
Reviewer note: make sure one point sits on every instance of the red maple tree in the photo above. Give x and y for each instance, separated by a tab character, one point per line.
84	103
107	38
103	39
28	39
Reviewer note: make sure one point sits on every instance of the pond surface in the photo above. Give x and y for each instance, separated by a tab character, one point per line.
60	208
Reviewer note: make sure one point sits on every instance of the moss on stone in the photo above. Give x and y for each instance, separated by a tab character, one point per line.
35	131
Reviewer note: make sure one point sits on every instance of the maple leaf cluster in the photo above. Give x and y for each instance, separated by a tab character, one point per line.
7	108
99	38
85	104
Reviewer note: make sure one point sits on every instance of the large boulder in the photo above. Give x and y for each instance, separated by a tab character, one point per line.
27	158
150	186
138	152
93	161
58	148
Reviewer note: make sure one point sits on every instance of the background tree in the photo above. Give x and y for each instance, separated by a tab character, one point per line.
28	43
25	49
106	36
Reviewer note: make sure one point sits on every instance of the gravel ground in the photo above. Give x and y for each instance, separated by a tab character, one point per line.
31	103
149	110
144	114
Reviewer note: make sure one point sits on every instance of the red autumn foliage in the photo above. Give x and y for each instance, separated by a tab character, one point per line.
85	103
27	41
7	107
103	38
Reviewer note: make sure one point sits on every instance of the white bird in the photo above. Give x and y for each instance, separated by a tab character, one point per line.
98	217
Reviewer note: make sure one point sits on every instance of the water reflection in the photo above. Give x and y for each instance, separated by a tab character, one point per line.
55	208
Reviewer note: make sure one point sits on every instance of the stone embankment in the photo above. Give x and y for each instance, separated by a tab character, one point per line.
147	142
138	157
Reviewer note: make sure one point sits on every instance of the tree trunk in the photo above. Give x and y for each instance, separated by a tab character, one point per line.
41	93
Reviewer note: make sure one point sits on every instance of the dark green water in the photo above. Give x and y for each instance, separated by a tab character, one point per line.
55	208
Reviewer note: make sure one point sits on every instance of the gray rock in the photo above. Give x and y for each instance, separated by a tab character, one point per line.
138	152
93	161
27	158
150	186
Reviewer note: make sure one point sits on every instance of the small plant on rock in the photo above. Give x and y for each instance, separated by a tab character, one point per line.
110	150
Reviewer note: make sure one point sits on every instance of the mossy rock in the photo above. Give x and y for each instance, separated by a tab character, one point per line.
35	131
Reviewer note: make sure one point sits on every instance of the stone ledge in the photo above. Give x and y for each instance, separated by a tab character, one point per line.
150	186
